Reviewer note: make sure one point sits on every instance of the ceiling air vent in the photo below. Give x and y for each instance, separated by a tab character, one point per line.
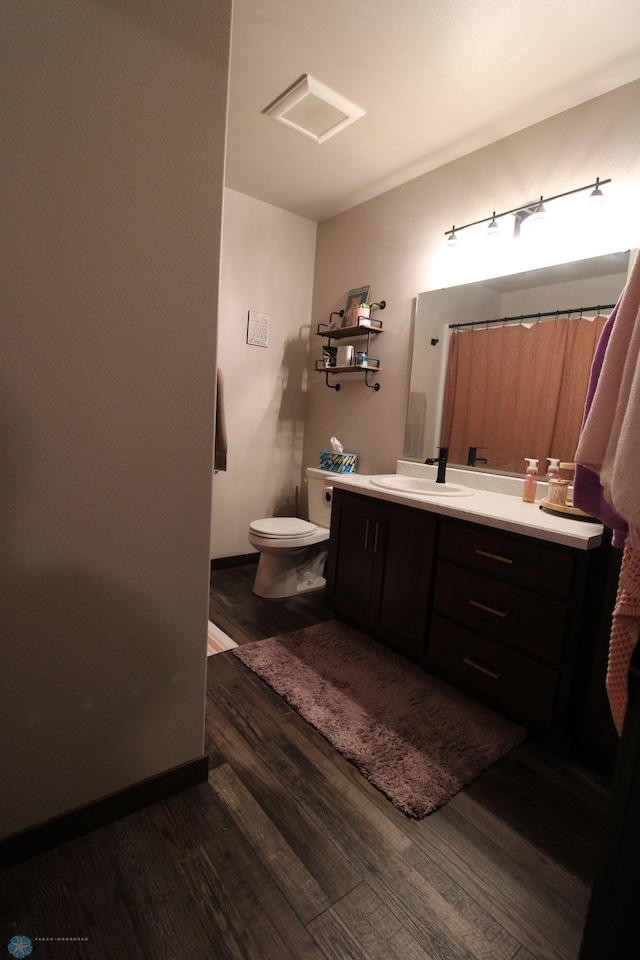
313	109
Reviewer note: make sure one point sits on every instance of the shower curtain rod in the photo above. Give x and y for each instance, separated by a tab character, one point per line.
531	316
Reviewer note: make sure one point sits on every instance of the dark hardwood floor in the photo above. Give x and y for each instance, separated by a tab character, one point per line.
287	853
235	608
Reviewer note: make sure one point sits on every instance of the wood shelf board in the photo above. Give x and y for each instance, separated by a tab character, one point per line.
350	368
339	332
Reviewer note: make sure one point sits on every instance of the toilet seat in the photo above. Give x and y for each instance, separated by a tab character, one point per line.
282	528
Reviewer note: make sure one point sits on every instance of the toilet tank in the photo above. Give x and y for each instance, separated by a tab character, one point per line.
319	485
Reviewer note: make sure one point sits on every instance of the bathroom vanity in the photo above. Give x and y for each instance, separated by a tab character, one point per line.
503	601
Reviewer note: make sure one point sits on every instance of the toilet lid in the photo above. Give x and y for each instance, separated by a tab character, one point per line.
282	528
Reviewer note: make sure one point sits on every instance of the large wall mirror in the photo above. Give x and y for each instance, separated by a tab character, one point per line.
510	381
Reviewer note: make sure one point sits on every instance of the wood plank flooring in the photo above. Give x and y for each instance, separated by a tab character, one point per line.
287	853
235	608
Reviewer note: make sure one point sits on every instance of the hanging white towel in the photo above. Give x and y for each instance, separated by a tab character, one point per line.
609	447
608	442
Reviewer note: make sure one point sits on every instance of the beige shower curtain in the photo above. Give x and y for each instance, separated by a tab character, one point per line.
518	390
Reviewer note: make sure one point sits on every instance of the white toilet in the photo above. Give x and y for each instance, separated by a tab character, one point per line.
293	551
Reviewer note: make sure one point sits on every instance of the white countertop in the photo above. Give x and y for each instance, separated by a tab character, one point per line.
503	511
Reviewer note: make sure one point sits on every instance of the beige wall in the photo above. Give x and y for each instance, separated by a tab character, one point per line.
391	243
112	183
267	266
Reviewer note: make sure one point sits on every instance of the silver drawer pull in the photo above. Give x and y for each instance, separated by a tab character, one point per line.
483	606
476	666
494	556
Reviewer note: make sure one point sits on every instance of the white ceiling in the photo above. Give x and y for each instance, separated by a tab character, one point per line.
437	79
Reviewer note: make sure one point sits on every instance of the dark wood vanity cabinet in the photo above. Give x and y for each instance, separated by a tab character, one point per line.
379	569
509	619
508	615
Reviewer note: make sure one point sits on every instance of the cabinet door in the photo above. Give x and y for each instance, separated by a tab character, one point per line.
400	596
351	556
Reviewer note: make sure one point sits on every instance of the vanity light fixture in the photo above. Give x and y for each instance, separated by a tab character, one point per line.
536	209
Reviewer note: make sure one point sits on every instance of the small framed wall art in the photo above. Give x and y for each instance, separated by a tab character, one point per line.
258	329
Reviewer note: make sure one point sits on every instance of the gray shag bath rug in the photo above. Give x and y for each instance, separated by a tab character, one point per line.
414	737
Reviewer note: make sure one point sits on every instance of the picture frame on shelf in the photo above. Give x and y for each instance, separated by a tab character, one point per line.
354	298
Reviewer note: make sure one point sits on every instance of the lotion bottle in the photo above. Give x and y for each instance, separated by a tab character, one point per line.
530	481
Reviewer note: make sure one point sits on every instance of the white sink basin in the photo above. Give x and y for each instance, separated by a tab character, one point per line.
420	485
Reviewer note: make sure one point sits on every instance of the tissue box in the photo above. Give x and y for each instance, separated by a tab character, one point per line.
338	462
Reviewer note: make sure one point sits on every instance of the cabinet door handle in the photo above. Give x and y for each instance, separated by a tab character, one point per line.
494	556
483	606
375	535
476	666
375	542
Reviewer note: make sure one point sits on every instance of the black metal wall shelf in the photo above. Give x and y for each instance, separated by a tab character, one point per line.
367	327
373	366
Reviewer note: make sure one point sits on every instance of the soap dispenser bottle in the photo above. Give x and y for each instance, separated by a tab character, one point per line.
553	473
530	481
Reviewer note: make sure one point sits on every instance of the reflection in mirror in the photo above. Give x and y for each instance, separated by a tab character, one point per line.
495	393
518	386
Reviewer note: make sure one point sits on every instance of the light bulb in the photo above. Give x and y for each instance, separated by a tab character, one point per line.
596	197
540	212
493	229
452	240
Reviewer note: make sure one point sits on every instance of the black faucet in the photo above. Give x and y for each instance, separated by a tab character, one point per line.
472	459
441	460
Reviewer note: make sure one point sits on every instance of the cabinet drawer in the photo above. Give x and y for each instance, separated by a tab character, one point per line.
526	690
535	566
500	611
